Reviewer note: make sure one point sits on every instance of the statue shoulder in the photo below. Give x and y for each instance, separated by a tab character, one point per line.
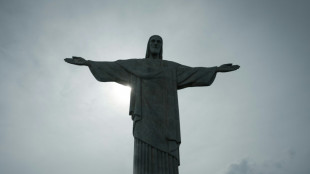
171	63
141	62
131	62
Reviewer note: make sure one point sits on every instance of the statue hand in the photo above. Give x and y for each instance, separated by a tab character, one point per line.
227	67
76	60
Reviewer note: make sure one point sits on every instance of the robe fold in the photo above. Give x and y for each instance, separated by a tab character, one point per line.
154	101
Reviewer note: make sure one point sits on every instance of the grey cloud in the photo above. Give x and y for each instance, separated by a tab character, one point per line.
285	163
242	168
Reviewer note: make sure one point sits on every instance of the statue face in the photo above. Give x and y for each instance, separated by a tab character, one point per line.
155	45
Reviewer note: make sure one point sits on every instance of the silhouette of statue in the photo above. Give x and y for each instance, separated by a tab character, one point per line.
154	102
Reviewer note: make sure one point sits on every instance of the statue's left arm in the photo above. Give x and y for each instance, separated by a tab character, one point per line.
200	76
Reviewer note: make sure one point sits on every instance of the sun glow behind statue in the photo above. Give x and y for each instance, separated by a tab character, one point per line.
120	93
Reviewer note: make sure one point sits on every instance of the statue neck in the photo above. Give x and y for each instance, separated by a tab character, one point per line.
154	56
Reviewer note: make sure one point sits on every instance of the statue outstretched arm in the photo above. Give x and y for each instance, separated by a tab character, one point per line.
227	67
200	76
103	71
195	76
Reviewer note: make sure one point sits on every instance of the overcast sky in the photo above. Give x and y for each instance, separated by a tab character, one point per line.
55	118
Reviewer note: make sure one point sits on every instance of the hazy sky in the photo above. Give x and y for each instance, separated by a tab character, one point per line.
55	118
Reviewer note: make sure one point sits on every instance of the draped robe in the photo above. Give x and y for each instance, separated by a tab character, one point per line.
154	101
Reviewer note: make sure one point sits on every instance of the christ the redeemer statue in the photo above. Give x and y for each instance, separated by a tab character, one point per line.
154	102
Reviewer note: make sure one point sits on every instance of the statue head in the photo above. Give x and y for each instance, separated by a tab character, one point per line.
155	47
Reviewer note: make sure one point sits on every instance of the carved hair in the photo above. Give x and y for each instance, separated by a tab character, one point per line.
148	48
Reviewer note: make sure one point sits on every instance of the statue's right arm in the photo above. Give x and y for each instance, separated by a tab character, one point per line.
77	61
103	71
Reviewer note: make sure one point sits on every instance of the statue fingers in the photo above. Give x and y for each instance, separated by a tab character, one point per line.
68	60
74	61
228	64
78	58
236	67
233	68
